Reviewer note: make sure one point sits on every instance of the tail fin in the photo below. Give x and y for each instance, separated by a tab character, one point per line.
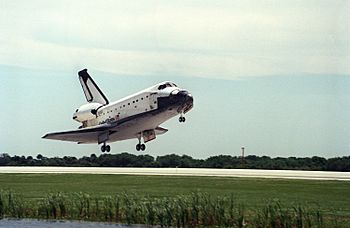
91	90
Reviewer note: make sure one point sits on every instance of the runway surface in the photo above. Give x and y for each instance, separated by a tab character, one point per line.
257	173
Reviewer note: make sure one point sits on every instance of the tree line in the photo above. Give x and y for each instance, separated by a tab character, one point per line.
184	161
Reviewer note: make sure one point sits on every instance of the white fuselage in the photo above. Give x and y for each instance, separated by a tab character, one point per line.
136	104
128	106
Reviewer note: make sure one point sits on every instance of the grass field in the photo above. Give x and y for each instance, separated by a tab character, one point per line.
173	201
252	192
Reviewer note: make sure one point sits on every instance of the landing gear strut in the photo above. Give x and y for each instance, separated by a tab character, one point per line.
140	146
105	148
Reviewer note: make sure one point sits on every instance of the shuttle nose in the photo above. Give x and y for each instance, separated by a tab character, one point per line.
182	98
189	97
187	100
182	95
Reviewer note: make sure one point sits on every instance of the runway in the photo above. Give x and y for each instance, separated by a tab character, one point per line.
255	173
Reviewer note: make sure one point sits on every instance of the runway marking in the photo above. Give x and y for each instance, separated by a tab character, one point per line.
256	173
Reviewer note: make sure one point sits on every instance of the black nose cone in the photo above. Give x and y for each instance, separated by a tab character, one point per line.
184	96
182	93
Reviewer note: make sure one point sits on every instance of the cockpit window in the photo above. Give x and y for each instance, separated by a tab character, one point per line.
165	85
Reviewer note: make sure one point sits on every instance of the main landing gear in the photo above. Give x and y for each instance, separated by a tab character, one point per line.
140	146
105	148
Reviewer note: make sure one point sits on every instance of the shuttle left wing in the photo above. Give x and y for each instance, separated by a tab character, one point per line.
83	135
121	130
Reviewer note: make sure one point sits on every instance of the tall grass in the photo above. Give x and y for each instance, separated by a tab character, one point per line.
193	210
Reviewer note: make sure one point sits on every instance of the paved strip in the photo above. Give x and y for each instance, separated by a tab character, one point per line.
257	173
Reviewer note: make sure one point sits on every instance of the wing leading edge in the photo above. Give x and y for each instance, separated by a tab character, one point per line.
85	135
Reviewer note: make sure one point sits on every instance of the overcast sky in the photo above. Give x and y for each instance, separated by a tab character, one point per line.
270	75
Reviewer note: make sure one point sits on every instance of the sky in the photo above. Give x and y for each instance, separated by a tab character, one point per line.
272	76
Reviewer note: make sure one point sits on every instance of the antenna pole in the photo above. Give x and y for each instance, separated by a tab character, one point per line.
242	157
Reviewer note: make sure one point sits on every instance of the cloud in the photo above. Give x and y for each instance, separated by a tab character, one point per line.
203	39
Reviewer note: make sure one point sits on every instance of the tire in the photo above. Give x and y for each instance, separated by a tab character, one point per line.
108	148
143	147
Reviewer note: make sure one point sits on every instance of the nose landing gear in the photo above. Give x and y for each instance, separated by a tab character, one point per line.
182	119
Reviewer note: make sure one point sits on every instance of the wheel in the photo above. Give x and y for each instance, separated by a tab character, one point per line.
108	148
138	147
143	147
183	119
103	148
180	119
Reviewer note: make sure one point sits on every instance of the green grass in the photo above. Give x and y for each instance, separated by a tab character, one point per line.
329	195
177	201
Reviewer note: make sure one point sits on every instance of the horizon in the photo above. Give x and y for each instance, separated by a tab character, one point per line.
180	155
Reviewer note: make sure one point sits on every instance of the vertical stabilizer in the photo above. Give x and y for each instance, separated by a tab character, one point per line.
91	90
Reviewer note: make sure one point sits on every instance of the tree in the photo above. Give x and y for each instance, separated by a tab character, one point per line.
171	160
4	159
